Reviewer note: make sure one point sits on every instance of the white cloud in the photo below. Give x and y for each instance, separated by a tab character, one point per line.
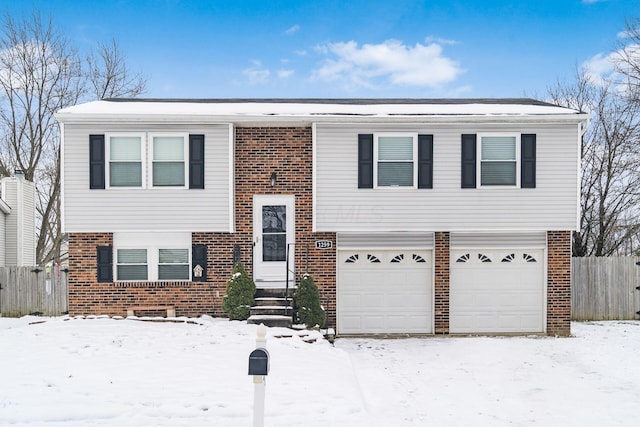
599	67
591	1
300	52
257	74
283	74
392	60
440	40
292	30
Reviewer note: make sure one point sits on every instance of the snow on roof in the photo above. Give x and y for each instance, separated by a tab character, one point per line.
311	109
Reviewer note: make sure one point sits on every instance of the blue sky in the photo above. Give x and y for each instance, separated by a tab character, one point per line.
400	48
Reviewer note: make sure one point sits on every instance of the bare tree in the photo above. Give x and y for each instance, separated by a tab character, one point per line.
610	186
627	59
41	73
109	76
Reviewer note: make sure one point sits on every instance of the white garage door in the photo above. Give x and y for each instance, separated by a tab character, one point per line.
384	291
497	291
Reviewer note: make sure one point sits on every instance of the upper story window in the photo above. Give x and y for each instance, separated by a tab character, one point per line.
499	158
168	160
165	156
395	160
125	158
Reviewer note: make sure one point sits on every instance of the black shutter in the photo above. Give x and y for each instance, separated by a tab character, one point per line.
425	161
365	161
468	164
105	263
196	161
96	162
528	160
199	257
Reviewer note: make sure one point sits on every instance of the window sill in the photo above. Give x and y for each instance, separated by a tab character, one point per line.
158	284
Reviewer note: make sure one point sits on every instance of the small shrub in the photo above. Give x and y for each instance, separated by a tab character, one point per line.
309	310
240	291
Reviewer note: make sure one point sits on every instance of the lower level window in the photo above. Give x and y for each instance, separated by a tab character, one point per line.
132	264
173	264
152	256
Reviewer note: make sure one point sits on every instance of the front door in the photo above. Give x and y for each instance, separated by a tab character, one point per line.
273	238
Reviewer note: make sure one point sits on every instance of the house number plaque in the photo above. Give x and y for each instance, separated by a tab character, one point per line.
324	244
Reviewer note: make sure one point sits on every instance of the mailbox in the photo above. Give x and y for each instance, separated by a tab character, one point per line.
259	362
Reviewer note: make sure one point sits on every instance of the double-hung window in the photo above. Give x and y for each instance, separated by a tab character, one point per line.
132	264
499	160
395	160
173	264
168	154
126	160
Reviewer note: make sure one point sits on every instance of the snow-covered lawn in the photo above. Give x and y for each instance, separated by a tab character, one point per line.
108	372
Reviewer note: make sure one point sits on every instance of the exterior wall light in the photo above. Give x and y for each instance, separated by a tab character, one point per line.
272	180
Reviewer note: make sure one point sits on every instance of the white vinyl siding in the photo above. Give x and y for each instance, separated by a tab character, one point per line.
135	209
341	206
20	232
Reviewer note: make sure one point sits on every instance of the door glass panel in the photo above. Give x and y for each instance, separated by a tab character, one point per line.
274	233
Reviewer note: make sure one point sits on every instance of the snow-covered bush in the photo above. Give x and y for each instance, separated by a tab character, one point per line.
240	291
309	310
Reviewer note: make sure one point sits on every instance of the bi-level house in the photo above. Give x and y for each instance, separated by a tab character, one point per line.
413	216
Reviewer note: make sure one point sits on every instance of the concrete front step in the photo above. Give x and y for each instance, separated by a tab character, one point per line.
262	301
271	320
271	309
273	292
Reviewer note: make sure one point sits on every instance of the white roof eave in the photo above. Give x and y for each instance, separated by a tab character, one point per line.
305	119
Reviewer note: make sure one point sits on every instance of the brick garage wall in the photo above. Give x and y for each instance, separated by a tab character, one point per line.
87	296
559	283
441	282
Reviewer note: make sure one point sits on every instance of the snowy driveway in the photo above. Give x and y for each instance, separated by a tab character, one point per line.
107	372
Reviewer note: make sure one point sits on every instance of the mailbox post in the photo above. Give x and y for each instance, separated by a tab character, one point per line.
259	369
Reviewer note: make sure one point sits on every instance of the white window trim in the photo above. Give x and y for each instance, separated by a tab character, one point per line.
143	158
376	136
479	159
152	242
185	137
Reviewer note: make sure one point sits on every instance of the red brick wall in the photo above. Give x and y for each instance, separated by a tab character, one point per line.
259	151
559	283
442	256
87	296
287	151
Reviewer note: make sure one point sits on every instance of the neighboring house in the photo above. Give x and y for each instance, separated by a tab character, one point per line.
413	216
17	222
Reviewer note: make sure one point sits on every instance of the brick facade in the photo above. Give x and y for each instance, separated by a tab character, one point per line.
559	283
287	151
258	152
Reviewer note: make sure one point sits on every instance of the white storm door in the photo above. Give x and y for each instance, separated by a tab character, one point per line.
273	231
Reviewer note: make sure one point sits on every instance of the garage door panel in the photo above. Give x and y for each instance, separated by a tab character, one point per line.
388	291
497	296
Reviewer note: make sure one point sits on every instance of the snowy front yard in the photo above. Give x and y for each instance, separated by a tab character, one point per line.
107	372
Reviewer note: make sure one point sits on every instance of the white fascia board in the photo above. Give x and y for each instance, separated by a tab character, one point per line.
62	169
313	178
232	179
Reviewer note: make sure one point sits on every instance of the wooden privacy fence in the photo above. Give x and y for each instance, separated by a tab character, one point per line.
25	291
604	288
